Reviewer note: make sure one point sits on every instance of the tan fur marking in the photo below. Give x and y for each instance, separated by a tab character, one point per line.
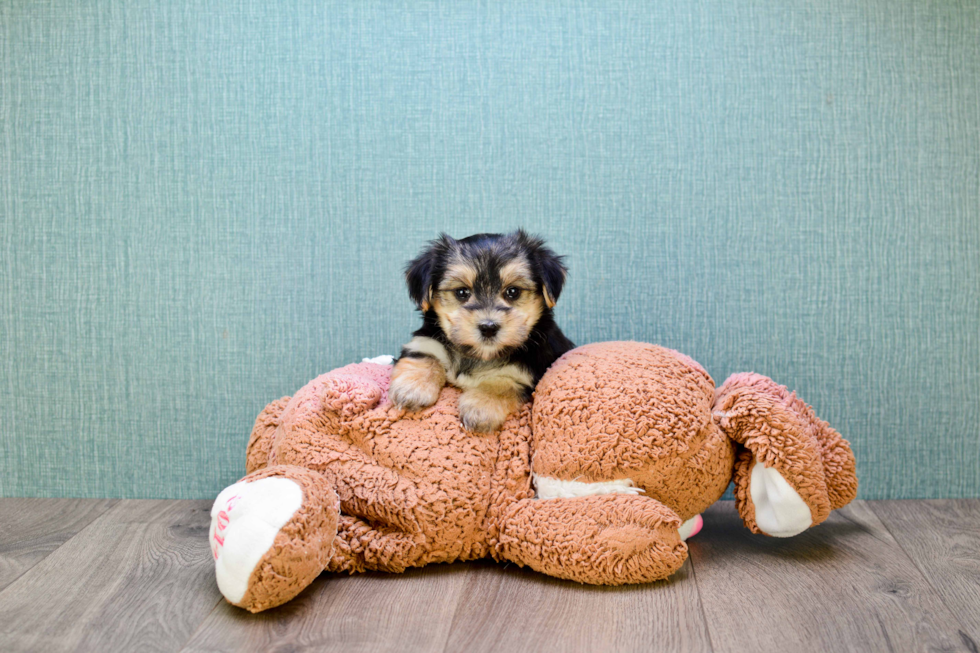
518	322
416	382
548	299
457	275
445	317
516	273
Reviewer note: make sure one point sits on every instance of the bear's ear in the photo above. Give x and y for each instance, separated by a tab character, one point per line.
547	265
349	395
422	272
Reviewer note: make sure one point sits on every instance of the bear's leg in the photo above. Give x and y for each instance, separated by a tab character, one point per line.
271	535
359	546
263	432
373	492
793	469
608	539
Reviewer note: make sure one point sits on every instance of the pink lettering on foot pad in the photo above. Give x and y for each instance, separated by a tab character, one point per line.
221	523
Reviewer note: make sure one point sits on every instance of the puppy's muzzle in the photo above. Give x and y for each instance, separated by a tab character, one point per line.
488	329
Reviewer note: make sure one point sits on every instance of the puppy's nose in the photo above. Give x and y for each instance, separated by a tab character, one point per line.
488	329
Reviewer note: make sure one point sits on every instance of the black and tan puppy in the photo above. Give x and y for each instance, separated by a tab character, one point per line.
487	325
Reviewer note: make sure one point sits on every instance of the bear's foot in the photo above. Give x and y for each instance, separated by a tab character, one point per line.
690	528
271	535
779	511
793	468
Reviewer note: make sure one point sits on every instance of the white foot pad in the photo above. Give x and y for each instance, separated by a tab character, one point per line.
690	528
779	510
245	520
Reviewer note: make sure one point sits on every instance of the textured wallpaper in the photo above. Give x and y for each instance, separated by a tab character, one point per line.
205	204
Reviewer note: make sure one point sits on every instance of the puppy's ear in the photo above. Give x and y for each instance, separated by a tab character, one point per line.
553	273
420	271
549	266
418	274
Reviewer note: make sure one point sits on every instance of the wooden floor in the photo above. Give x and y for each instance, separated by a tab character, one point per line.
88	575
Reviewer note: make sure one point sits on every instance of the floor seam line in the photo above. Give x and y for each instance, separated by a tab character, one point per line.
452	618
704	615
50	553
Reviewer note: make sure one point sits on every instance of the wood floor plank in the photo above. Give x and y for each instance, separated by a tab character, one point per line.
845	585
514	609
366	612
943	539
30	529
139	577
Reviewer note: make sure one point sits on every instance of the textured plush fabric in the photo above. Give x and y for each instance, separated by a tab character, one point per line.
203	205
415	487
647	417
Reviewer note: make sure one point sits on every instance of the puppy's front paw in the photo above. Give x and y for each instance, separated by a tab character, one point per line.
416	383
484	411
413	394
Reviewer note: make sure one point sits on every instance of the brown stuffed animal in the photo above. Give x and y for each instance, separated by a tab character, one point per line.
599	480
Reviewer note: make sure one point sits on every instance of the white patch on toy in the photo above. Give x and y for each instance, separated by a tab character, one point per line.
384	359
547	487
245	519
779	510
691	527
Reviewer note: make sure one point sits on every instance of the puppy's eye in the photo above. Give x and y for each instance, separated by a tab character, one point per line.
462	294
512	293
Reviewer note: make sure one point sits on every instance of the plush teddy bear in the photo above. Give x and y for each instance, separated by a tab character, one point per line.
599	479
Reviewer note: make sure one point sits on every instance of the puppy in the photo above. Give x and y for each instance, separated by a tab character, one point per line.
487	325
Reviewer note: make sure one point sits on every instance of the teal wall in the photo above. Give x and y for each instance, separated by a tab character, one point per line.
205	204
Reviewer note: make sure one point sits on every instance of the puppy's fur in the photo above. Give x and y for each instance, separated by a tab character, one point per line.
487	324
